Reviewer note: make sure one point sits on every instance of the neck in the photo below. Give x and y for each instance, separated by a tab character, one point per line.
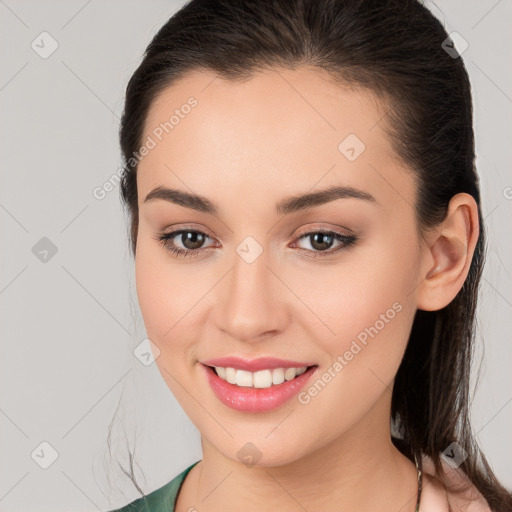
359	470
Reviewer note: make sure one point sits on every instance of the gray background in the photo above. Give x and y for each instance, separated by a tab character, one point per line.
70	323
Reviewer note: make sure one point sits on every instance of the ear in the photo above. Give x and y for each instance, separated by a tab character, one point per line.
447	254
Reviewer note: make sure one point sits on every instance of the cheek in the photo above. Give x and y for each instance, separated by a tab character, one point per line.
160	292
366	293
367	309
150	285
371	315
159	300
169	296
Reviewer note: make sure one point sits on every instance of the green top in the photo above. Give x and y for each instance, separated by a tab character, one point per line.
160	500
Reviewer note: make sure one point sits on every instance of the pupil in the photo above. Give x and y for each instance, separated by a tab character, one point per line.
192	240
322	245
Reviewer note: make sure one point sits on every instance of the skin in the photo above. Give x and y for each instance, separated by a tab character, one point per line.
246	146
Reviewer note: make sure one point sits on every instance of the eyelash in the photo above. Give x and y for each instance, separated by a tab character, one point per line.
165	238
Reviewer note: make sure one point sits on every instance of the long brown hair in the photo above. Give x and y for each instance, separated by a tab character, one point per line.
395	49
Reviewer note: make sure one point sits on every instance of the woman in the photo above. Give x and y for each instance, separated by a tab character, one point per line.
308	242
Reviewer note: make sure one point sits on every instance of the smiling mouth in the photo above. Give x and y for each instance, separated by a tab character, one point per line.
261	379
255	392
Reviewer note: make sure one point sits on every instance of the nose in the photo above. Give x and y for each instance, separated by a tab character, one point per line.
251	302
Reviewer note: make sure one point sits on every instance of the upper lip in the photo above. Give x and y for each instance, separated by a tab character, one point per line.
254	365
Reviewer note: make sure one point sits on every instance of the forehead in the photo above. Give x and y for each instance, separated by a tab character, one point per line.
280	127
266	103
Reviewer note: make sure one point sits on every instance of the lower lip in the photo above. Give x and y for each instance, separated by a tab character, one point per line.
251	399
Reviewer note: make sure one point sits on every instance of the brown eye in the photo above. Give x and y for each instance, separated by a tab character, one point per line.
321	241
191	240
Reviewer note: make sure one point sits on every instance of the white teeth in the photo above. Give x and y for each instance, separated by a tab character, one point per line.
278	376
259	379
221	372
290	373
230	375
243	378
262	379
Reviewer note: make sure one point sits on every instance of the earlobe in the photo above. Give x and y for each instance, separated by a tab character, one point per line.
448	254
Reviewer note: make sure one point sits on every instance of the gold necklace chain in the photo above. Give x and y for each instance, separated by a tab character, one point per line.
419	484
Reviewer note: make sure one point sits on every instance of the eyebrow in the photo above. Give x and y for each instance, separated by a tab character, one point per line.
288	205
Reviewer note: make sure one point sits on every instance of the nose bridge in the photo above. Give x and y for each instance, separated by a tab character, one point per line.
250	273
249	303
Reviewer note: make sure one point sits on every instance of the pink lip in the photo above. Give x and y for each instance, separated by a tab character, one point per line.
256	399
254	365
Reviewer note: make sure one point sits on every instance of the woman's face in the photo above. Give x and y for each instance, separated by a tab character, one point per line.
259	279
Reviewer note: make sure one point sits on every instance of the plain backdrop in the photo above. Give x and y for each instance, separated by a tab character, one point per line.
69	313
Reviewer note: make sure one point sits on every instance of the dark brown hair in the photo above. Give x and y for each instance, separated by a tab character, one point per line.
393	48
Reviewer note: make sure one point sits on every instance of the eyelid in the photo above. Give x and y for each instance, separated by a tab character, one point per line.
185	227
323	229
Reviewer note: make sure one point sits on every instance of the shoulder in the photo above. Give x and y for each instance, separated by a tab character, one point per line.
436	496
159	500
